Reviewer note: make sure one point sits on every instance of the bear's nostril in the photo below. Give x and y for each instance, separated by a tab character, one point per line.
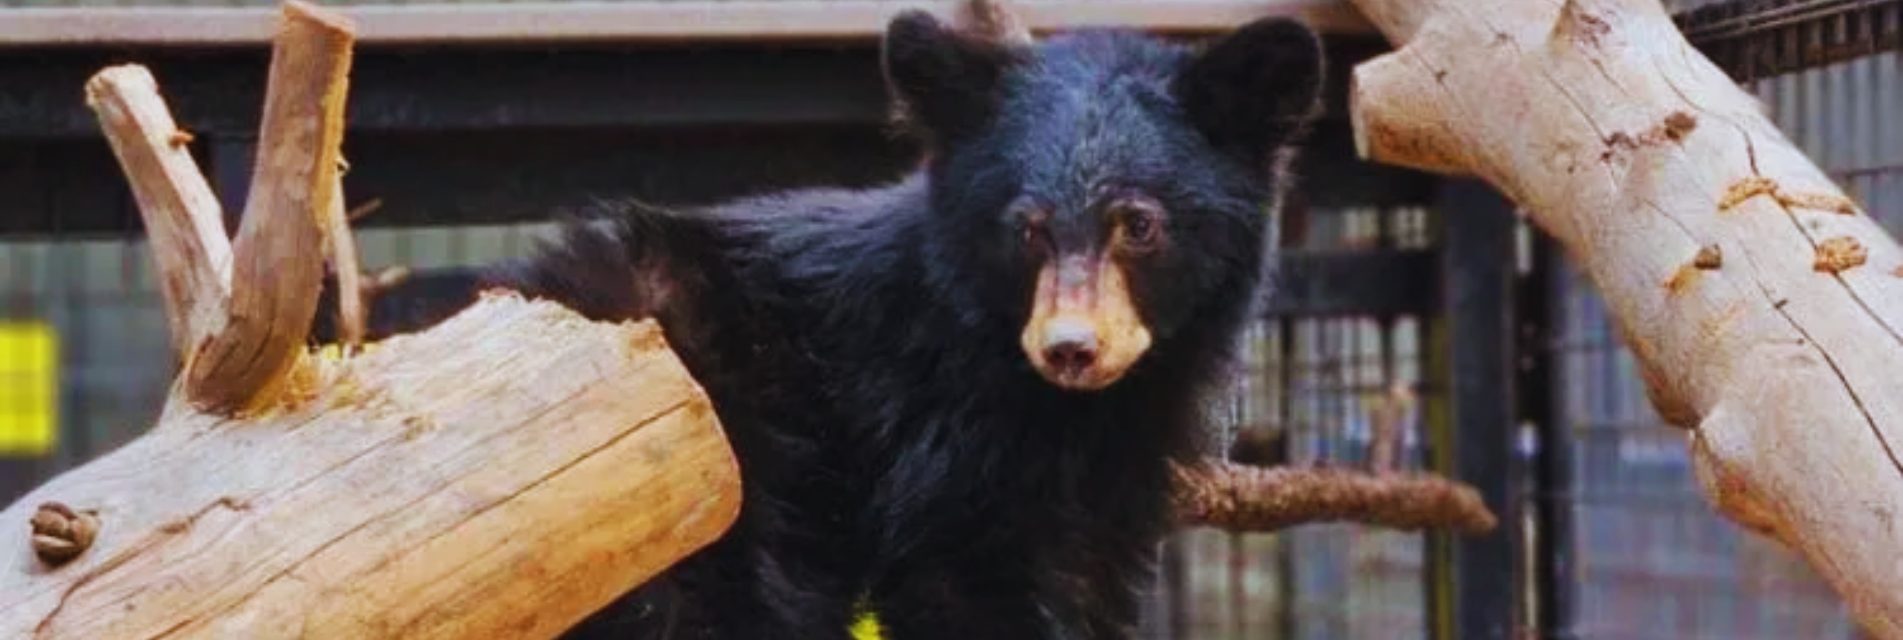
1070	356
1070	345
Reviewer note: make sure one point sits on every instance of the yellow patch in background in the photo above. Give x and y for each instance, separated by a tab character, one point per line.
29	388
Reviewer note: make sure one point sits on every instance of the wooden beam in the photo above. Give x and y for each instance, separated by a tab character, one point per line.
685	21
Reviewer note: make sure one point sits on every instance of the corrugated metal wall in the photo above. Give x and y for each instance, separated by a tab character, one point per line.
1654	560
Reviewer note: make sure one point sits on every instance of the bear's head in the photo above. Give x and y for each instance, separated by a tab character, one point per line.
1108	192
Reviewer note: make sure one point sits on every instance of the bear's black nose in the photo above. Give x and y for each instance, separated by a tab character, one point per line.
1070	346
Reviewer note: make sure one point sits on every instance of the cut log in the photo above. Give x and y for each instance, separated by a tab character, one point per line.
1763	306
502	475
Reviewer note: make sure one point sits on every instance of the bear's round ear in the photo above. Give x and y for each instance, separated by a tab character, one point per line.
943	82
1256	89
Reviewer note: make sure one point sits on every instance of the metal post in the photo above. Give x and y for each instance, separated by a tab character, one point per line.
1471	582
1552	496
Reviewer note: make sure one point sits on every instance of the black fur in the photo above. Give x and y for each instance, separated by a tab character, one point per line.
861	347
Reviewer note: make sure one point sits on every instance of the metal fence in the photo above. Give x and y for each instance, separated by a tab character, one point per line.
1307	388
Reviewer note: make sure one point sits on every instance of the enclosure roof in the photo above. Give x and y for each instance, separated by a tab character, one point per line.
651	21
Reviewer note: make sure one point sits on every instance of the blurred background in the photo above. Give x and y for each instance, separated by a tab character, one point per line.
475	122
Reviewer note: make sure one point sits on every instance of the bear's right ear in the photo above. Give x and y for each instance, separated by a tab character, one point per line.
945	82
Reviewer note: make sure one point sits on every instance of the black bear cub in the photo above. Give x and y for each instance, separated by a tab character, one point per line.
955	398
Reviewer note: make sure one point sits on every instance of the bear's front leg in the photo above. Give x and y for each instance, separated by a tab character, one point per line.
1004	596
976	598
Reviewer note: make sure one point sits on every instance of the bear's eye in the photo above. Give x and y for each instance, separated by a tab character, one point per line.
1033	231
1142	224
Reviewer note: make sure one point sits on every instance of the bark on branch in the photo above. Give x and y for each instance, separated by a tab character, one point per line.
1762	304
1243	498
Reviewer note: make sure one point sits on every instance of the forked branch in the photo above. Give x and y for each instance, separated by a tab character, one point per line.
239	316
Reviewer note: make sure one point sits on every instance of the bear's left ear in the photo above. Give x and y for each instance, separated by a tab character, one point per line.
946	82
1256	89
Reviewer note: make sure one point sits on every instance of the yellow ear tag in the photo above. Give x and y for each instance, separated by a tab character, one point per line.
866	625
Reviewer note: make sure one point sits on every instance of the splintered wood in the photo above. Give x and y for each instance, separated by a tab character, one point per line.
239	311
1781	353
277	268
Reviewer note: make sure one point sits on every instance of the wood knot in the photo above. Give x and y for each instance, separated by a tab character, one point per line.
1709	257
1755	186
1591	28
1835	255
1746	189
1616	142
61	534
1819	201
1679	124
1672	130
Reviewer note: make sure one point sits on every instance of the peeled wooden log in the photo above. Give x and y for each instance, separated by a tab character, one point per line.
1763	305
504	474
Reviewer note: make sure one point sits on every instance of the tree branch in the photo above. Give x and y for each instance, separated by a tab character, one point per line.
181	215
278	269
1257	499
